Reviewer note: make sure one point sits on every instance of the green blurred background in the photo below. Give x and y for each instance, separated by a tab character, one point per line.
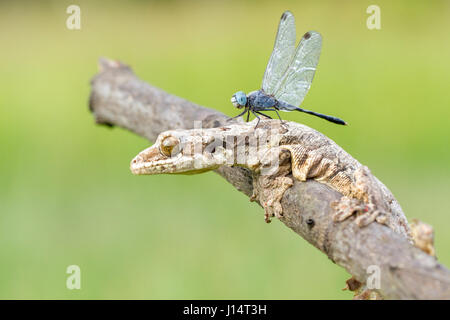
66	193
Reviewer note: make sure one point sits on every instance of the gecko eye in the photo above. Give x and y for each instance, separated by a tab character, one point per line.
170	146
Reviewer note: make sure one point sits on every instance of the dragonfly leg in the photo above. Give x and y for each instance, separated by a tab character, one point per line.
281	120
265	115
240	114
275	109
259	119
248	115
278	115
272	109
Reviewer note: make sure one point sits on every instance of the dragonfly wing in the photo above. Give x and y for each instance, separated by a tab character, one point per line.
297	79
282	53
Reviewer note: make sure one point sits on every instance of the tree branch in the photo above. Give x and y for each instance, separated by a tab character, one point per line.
119	98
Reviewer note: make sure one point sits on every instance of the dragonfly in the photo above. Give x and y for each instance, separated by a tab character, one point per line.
288	75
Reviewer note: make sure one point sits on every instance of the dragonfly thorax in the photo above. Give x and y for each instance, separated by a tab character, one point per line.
239	99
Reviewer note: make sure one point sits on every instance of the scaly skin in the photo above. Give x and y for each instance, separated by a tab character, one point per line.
264	151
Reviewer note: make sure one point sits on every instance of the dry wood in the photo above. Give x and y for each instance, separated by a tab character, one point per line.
119	98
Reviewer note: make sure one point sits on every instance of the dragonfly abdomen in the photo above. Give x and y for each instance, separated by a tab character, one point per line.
323	116
283	106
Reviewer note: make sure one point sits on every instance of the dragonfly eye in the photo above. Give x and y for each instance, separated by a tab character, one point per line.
234	101
239	99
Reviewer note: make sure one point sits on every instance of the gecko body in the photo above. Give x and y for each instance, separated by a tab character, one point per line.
277	153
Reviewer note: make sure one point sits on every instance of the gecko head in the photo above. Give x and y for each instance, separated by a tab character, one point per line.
239	99
179	151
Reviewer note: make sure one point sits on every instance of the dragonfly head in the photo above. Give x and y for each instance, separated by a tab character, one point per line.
239	99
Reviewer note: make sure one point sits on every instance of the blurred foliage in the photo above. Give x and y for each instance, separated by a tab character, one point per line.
66	193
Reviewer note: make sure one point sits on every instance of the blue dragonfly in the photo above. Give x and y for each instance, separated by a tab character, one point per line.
288	75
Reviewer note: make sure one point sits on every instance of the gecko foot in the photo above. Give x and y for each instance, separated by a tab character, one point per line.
360	290
423	236
366	213
271	191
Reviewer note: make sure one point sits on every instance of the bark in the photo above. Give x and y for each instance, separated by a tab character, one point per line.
119	98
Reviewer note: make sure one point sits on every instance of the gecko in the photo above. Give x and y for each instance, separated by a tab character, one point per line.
276	153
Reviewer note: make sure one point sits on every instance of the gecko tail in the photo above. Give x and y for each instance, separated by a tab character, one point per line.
323	116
